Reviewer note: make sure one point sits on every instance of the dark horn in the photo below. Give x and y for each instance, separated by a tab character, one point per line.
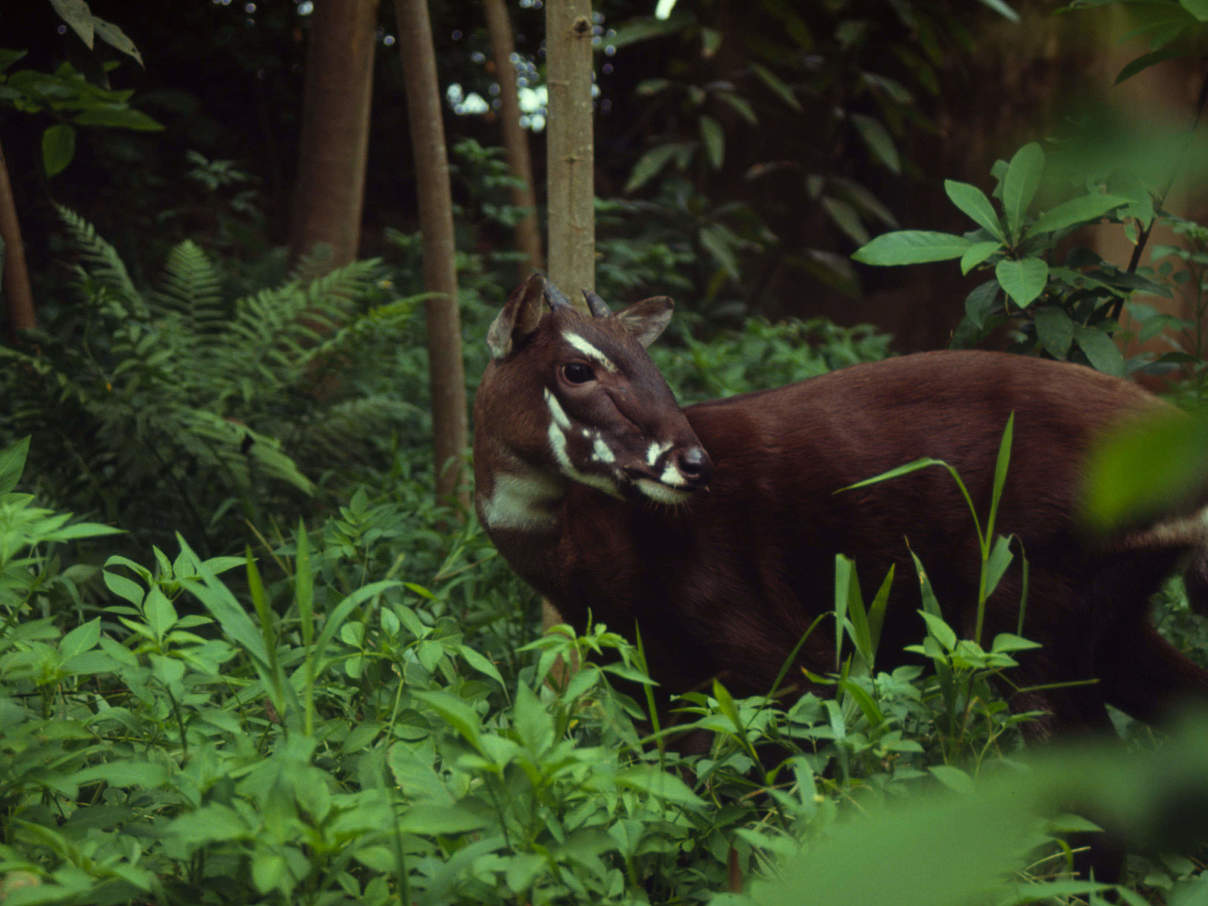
554	297
599	308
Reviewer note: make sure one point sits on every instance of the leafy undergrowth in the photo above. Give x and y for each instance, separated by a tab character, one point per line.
308	725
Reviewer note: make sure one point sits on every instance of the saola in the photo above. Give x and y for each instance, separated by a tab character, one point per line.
715	527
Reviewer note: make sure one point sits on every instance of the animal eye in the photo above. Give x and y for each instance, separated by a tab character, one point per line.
578	373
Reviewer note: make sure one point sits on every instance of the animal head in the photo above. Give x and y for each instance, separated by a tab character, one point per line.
574	396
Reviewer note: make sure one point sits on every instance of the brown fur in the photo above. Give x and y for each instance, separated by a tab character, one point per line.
725	584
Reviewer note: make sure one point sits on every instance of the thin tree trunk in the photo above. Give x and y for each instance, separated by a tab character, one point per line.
17	292
570	178
445	369
571	188
515	140
334	147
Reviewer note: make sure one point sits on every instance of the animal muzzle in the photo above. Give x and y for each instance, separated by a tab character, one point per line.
671	474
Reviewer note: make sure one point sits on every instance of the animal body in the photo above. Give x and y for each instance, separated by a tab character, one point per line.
715	527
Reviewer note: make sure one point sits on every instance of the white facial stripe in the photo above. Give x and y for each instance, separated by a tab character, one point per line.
558	427
590	351
561	419
656	450
600	451
521	501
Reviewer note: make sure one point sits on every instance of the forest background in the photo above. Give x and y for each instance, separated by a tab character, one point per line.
295	674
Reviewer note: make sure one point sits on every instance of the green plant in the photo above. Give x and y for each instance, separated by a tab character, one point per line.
179	399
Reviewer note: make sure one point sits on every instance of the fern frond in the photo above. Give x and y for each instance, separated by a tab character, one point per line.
103	262
190	288
334	434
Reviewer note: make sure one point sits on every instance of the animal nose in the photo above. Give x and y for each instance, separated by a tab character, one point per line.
694	464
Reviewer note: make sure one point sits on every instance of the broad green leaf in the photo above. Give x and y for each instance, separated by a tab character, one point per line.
974	203
76	14
940	630
1022	280
650	163
81	639
977	253
1077	210
912	247
1103	354
1141	469
644	29
1146	60
714	141
953	778
660	784
117	116
1020	183
58	148
457	714
1197	8
773	82
124	772
878	140
845	218
433	820
740	104
1055	331
12	463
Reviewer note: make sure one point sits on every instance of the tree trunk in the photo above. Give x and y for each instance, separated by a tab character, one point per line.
330	187
570	179
17	291
571	189
445	369
515	141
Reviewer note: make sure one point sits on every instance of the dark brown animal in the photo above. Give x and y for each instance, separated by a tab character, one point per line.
715	527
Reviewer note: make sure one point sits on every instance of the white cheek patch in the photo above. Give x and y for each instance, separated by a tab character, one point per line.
1185	531
589	350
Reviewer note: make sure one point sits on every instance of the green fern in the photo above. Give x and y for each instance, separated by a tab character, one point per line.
179	405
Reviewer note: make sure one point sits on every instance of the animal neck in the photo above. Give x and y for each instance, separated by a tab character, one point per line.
513	495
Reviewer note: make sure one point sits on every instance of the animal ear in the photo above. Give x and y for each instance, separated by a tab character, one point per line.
647	319
519	318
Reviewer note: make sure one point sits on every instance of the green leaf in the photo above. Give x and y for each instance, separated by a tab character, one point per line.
977	253
660	784
124	772
714	141
773	81
58	148
1197	8
1139	470
912	247
81	639
976	205
76	14
1146	60
1077	210
650	163
953	778
740	105
1100	350
846	218
433	820
878	140
12	463
1020	183
1055	331
1022	280
457	714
